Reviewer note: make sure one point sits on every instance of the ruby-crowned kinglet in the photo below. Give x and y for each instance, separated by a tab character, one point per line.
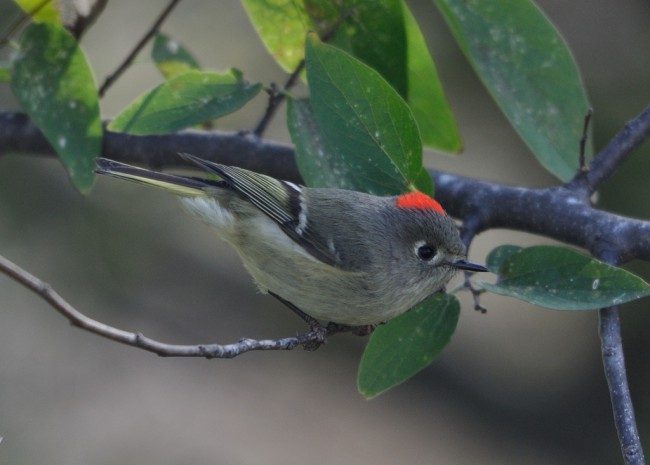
338	255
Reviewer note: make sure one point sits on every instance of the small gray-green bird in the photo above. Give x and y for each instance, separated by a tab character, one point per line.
338	255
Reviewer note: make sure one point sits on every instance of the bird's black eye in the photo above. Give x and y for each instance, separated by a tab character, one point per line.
426	252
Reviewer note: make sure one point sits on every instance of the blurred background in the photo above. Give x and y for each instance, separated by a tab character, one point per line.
517	385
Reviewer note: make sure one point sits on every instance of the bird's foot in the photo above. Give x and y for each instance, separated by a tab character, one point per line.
317	334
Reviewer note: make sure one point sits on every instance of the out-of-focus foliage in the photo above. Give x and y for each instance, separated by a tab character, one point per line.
171	57
55	86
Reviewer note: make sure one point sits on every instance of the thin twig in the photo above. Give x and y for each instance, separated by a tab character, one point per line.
583	141
611	157
611	343
115	75
276	96
309	340
83	23
26	16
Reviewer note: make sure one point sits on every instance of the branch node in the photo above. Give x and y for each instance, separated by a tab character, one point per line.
204	352
138	339
44	289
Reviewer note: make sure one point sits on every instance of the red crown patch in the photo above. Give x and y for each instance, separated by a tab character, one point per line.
419	201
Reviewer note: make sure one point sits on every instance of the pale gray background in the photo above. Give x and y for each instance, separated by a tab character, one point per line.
518	385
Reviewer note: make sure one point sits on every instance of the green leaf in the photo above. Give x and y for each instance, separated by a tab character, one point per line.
372	140
426	97
498	255
562	279
407	344
41	11
184	101
373	32
54	83
314	163
171	58
378	38
530	72
282	25
5	74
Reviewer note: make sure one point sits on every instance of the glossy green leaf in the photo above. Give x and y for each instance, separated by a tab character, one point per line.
385	36
372	140
426	97
498	255
315	165
374	32
407	344
282	25
184	101
378	38
41	11
171	58
562	279
54	83
530	72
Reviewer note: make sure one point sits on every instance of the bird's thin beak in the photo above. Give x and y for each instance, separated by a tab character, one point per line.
468	266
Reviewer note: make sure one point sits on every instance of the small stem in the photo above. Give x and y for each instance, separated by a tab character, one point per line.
115	75
607	161
470	228
276	98
583	141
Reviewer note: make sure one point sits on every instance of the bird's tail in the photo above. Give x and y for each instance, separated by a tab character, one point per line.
180	185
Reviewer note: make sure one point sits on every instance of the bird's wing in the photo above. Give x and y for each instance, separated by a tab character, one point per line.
282	201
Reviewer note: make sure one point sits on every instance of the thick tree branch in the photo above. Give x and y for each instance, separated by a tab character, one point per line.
556	212
115	75
611	344
309	340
